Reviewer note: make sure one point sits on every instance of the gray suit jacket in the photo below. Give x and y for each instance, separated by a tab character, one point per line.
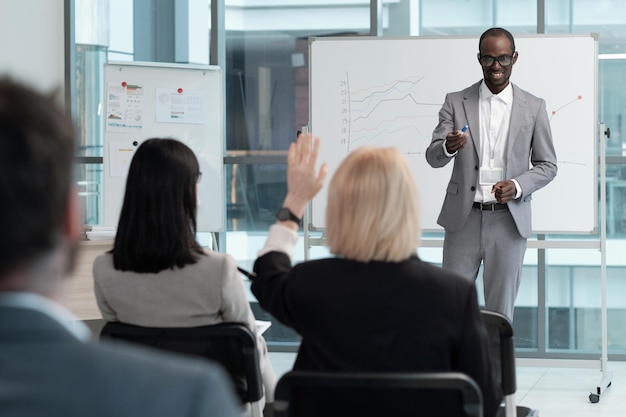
46	371
531	158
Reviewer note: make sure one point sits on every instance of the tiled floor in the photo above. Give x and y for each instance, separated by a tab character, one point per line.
553	390
559	392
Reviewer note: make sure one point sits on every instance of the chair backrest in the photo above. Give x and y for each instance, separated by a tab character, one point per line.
502	348
502	353
300	393
231	344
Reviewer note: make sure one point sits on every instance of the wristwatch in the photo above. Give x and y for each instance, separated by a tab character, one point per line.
285	214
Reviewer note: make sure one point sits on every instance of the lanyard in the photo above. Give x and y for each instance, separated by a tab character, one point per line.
499	119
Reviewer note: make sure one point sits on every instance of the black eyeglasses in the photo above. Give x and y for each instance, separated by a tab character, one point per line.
488	60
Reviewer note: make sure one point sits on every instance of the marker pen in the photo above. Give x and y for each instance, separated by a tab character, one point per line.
464	129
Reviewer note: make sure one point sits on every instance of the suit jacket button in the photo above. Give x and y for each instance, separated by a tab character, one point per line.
473	188
476	167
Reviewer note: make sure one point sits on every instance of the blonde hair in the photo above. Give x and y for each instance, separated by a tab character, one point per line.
373	208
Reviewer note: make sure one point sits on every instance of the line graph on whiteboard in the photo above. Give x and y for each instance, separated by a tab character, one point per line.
386	114
557	110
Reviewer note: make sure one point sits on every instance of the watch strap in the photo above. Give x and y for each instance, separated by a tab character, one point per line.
285	214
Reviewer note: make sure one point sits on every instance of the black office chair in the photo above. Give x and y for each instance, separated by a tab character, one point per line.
502	352
233	345
330	394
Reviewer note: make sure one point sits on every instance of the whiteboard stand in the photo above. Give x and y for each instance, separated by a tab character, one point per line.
607	375
306	218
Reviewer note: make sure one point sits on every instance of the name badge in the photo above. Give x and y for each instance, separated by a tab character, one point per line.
489	176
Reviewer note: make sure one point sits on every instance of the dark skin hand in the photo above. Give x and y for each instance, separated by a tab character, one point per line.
504	191
455	141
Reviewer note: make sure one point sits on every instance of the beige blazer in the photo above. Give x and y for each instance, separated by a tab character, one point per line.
208	292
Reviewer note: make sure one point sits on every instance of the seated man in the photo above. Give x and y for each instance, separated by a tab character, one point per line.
48	367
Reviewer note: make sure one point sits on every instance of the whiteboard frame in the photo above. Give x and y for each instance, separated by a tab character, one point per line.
589	202
205	139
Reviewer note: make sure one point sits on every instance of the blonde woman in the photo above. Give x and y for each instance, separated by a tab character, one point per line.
375	306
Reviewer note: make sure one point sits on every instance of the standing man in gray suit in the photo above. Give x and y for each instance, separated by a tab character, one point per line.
499	138
48	365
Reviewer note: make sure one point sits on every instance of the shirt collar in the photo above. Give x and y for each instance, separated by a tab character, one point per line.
48	307
505	95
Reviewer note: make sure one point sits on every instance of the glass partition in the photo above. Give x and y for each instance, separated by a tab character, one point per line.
267	101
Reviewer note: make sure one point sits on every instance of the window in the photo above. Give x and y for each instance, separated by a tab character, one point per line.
266	73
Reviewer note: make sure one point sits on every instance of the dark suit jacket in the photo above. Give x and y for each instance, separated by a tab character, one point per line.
378	316
46	371
529	143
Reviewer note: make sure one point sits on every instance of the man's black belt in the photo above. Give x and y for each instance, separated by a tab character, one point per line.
490	207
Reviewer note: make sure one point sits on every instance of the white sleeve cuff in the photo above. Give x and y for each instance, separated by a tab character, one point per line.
518	189
445	151
280	239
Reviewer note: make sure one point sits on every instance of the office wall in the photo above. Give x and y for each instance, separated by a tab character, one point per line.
32	42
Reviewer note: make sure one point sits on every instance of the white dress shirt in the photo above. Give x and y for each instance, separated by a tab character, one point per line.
495	119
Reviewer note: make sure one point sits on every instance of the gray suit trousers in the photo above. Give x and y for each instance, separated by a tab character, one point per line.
490	237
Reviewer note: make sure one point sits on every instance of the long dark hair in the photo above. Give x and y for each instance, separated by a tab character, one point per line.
157	225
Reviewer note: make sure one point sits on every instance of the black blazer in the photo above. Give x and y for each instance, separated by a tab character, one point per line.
378	316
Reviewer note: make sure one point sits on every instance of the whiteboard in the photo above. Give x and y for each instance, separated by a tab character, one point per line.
183	102
388	92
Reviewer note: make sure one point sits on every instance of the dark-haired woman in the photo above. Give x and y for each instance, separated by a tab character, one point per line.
157	274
